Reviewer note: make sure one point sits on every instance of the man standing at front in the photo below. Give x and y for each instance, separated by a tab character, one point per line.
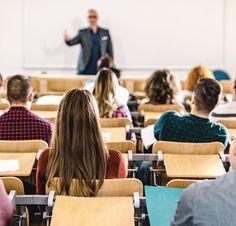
95	43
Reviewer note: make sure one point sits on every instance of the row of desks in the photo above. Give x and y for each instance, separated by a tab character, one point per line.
177	166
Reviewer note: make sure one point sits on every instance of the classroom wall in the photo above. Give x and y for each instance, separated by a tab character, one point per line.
11	41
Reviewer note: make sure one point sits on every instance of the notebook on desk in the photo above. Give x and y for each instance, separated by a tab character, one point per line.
161	204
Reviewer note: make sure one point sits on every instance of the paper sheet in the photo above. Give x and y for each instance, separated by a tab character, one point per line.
10	165
147	135
106	137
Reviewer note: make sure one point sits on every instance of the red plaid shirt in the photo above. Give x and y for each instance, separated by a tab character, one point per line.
21	124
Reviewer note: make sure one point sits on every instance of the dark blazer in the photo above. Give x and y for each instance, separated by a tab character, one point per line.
83	38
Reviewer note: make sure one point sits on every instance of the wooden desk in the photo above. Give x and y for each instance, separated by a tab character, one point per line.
193	166
26	162
117	133
76	211
46	114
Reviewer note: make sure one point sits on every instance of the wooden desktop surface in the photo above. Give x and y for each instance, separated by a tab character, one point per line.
75	211
117	133
26	162
193	166
152	115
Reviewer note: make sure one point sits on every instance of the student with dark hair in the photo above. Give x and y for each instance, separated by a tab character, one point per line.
19	123
161	88
6	210
107	62
196	127
78	150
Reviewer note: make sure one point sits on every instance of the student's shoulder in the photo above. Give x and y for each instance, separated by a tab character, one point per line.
114	154
39	120
170	115
221	128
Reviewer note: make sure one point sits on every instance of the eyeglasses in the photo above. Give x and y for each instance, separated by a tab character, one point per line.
92	17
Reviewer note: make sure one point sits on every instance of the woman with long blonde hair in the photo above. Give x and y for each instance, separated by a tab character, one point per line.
105	95
78	151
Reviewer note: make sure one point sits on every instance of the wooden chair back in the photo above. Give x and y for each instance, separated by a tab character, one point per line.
181	183
227	85
228	123
183	84
63	84
149	122
114	122
160	107
4	106
123	146
110	188
44	107
13	183
22	146
168	147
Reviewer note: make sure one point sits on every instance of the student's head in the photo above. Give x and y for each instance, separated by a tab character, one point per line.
161	87
206	95
78	151
105	92
107	62
20	90
195	74
92	17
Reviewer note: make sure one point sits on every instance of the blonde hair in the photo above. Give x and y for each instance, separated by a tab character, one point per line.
196	74
105	92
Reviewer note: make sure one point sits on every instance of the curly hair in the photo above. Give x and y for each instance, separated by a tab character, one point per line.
161	87
195	75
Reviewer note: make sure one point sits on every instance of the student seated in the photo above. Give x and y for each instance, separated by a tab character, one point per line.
19	123
211	202
227	109
78	150
6	210
194	75
122	94
161	88
107	62
105	93
198	126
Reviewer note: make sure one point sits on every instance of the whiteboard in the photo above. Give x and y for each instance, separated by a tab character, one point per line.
146	34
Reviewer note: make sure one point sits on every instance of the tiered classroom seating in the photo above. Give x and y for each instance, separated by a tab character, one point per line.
187	162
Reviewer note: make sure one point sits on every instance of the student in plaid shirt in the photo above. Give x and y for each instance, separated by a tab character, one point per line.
19	123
